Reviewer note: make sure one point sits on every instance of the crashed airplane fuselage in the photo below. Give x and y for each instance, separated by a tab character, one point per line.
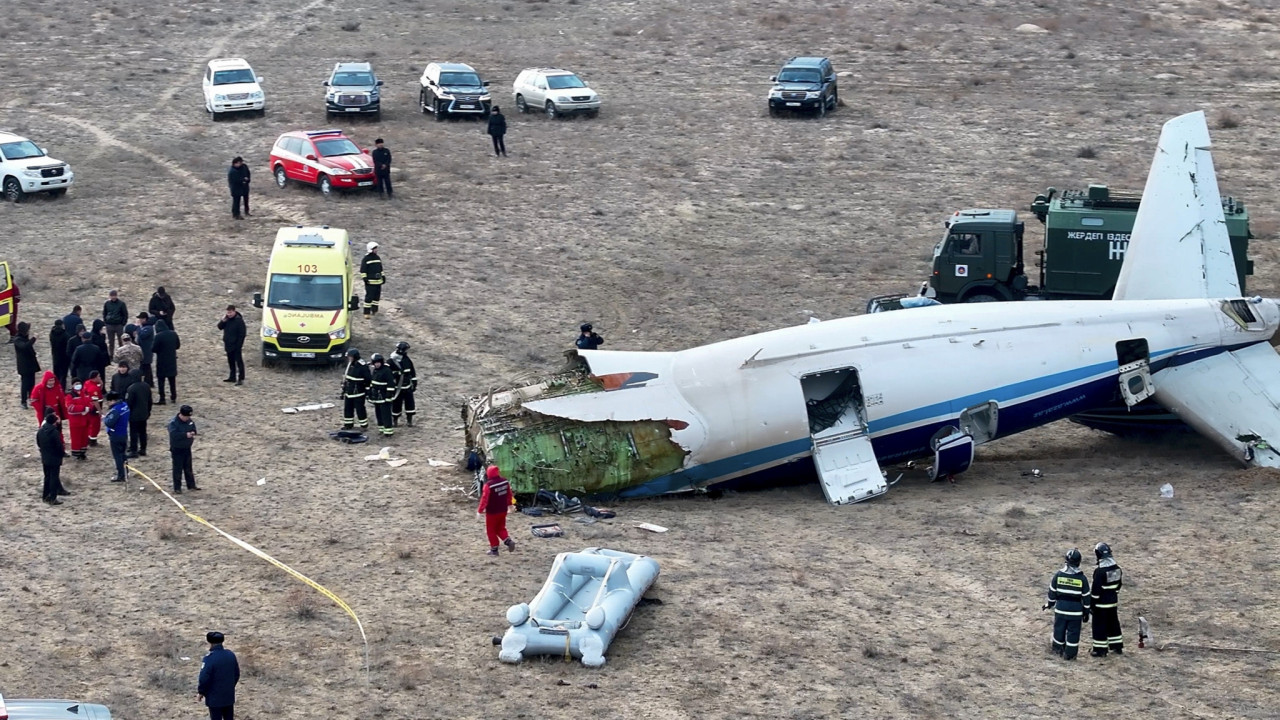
860	392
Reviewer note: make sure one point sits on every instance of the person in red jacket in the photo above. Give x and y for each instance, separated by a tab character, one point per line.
93	391
47	396
79	409
495	499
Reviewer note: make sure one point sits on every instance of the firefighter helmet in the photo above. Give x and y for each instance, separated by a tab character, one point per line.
1073	556
402	346
1102	550
376	358
353	353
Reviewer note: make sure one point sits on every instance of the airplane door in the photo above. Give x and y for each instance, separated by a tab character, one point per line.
1135	371
842	452
8	307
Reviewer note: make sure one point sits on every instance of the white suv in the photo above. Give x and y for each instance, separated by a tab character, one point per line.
230	85
25	168
555	92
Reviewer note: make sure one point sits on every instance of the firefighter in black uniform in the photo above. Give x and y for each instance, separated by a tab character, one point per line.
381	387
1107	580
355	383
371	274
382	167
406	385
1069	598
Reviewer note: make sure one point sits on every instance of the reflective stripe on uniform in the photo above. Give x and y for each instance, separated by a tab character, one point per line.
1105	605
1099	643
1116	639
1067	612
1065	591
1071	644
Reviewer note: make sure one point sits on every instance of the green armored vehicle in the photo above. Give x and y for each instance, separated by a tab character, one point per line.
1086	233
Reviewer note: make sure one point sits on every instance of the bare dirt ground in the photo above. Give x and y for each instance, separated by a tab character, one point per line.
683	215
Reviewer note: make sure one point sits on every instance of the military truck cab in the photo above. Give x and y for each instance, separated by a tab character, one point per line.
979	258
1086	234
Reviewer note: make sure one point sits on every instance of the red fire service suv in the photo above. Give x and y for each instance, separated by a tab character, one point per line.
324	158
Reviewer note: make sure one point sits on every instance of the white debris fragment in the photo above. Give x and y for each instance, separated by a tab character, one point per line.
439	463
301	408
397	462
383	454
651	527
262	481
1029	28
1166	490
813	320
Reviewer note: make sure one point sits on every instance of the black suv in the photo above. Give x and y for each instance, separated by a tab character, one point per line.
804	83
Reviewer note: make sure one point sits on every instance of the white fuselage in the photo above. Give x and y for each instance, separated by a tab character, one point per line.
918	369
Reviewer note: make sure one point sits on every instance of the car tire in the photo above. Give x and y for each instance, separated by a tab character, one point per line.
835	99
13	190
57	193
440	111
822	108
981	297
262	113
774	112
326	185
213	116
593	113
268	362
522	107
551	111
282	178
422	101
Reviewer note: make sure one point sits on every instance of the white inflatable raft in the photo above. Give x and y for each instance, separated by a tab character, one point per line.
587	598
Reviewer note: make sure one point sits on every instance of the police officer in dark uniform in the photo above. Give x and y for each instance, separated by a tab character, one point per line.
371	274
406	385
219	674
587	338
382	167
1107	579
382	385
355	383
1069	598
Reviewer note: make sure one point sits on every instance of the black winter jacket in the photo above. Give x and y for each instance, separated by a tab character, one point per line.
138	396
233	332
497	124
24	350
49	440
115	312
165	348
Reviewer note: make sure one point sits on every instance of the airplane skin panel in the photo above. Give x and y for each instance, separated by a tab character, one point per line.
1231	398
1179	247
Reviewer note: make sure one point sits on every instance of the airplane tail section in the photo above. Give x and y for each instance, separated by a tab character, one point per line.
1179	247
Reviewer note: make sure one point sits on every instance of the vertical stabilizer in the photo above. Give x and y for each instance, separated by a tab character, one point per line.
1179	247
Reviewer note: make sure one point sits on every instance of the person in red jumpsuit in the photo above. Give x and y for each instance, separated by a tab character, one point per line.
93	391
495	499
48	396
79	409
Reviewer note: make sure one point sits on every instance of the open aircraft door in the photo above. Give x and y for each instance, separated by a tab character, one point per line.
1135	371
842	452
8	300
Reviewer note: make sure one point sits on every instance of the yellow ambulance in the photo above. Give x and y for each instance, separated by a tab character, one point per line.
310	296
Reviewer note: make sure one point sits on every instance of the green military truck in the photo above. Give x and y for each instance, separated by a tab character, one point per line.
1086	233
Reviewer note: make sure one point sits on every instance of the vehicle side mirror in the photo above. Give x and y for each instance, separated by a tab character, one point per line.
379	83
354	304
259	78
257	300
44	150
325	83
485	83
773	78
312	158
831	78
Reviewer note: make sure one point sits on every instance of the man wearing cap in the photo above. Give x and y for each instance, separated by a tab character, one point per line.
382	167
238	182
182	434
114	315
117	424
145	337
587	338
371	274
219	673
161	306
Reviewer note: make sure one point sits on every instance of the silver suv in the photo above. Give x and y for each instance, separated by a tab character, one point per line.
51	710
555	92
353	88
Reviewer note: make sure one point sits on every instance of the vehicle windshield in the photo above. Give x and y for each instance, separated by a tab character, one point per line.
20	150
305	292
459	78
352	78
564	82
338	146
232	77
799	75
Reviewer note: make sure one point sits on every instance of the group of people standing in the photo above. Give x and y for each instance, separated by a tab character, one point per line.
1074	600
389	383
144	354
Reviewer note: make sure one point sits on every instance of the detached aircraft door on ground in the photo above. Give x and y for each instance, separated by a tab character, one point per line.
842	452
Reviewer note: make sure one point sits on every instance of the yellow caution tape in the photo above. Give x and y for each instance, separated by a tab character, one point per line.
318	587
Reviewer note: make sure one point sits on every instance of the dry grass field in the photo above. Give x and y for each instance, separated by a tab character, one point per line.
682	215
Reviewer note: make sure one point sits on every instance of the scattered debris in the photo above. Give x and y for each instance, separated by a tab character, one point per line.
602	513
548	530
586	520
1034	472
397	462
439	463
304	408
1144	632
383	454
351	437
1166	490
262	481
651	527
1030	28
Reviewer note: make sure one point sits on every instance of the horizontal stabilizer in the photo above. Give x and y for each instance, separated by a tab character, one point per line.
1232	398
1179	247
